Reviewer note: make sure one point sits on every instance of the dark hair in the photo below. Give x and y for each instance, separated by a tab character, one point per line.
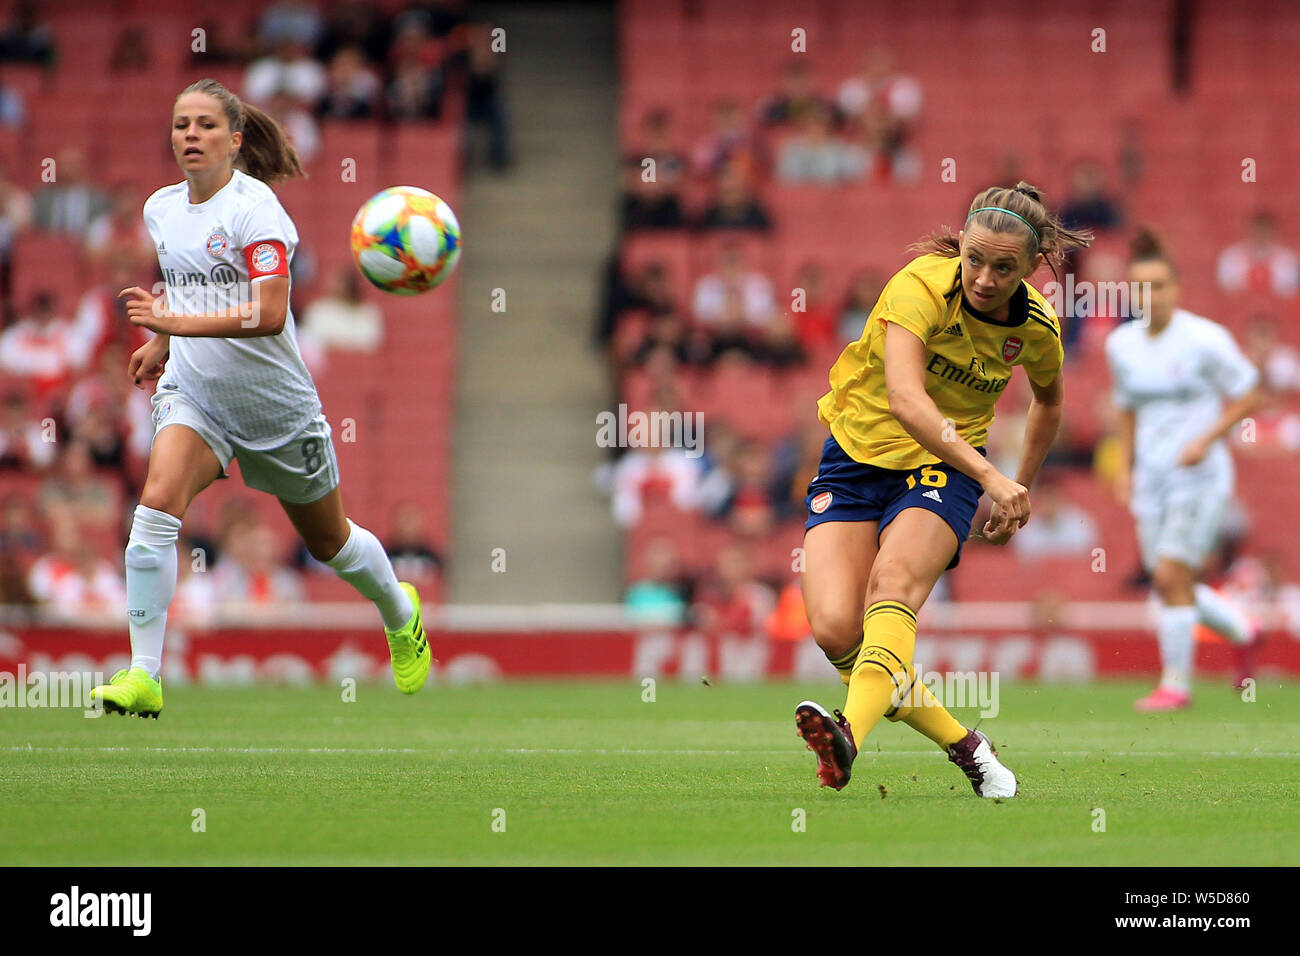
1053	238
265	153
1147	247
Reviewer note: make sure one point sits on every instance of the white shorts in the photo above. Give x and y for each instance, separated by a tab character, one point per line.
1183	526
302	470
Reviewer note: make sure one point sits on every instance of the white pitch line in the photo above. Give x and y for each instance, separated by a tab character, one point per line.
634	752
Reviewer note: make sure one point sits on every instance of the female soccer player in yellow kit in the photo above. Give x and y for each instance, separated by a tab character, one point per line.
901	475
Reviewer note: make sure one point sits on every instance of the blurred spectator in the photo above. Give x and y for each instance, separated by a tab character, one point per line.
780	344
74	578
748	511
1279	362
864	292
730	144
74	489
100	319
23	443
1130	158
729	336
114	419
733	277
299	125
662	594
20	547
484	95
288	21
26	39
795	462
1059	528
717	481
341	319
732	600
650	289
131	52
814	315
895	96
195	602
1088	205
881	154
15	217
290	69
358	24
734	205
653	203
814	154
1260	263
354	90
666	330
642	472
796	98
437	18
13	108
648	202
120	232
789	620
415	91
70	203
45	349
414	557
248	571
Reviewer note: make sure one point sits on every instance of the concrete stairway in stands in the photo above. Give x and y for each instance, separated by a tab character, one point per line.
529	386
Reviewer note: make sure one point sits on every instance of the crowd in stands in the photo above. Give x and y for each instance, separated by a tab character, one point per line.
675	333
74	434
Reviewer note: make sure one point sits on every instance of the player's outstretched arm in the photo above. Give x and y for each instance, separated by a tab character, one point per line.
264	315
1233	412
1041	425
916	412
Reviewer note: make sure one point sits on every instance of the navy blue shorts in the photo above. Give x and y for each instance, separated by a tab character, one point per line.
847	490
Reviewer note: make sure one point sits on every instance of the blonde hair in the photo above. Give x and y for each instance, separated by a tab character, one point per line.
265	152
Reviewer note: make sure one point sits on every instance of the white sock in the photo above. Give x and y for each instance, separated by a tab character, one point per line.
1219	614
150	584
364	564
1177	646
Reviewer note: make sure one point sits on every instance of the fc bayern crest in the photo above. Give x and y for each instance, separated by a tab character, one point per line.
218	244
1011	347
266	258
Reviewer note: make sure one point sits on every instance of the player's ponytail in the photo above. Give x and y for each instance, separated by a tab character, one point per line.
1021	209
265	153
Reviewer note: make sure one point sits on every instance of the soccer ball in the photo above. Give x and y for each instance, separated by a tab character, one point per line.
405	240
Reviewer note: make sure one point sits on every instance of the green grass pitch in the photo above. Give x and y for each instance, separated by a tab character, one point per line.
587	773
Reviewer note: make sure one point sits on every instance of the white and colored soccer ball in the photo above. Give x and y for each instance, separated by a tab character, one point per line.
405	240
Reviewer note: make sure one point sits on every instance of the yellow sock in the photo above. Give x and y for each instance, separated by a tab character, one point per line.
844	663
922	712
883	669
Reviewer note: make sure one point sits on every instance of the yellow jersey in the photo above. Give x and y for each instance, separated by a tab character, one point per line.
969	358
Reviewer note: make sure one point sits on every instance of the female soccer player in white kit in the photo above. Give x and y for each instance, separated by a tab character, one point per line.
234	384
1180	384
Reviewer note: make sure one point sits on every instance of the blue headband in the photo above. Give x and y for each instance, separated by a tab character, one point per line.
1009	213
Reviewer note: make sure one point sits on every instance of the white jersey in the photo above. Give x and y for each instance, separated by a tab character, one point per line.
257	389
1176	383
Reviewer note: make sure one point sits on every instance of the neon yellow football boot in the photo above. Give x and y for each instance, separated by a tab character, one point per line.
408	647
131	692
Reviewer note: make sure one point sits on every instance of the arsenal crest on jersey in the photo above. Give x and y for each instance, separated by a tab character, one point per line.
1011	347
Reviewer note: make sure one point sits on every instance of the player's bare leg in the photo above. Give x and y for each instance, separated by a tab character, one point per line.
358	558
